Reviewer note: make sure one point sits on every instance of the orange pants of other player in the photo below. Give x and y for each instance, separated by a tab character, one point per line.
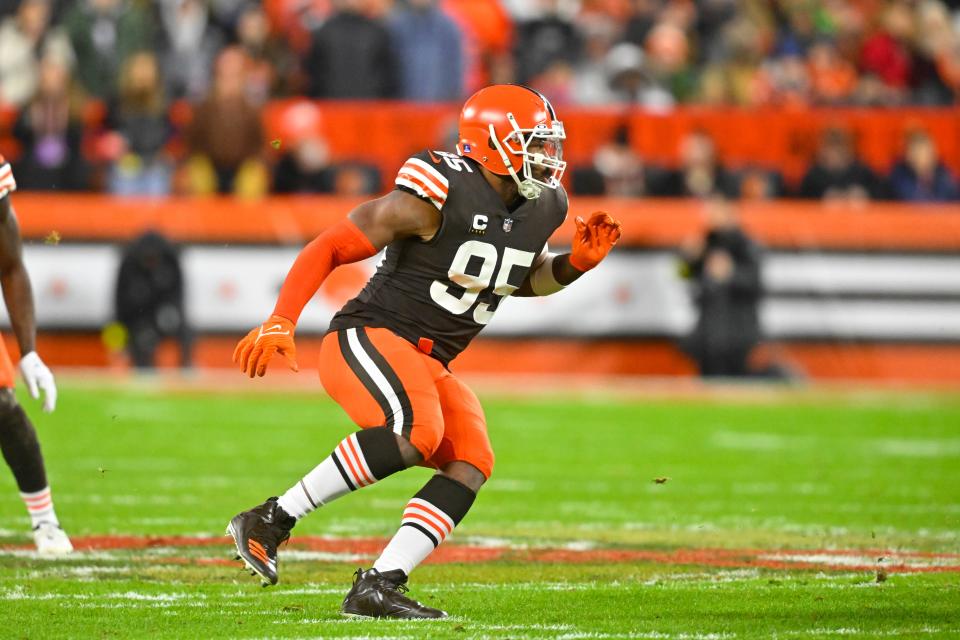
7	372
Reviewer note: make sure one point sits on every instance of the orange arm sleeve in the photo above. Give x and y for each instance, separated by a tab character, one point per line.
341	244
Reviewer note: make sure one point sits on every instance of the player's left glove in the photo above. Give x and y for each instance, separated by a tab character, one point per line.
39	378
255	350
593	240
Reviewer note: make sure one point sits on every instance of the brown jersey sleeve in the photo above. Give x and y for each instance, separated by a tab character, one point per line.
422	176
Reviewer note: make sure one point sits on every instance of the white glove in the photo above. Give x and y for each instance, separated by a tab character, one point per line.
38	376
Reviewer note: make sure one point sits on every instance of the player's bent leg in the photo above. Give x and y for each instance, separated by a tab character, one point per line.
358	461
464	459
428	519
404	406
21	450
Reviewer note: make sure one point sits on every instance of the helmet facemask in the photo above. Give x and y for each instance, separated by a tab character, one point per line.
542	151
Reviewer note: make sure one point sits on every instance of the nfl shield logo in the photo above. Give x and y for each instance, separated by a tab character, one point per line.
467	148
507	225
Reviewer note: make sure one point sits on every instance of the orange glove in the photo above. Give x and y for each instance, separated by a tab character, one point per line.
253	353
593	240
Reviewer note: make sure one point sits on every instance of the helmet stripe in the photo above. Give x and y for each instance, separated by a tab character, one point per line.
546	103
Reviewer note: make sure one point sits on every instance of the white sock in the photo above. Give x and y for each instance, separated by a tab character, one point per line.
40	507
316	489
343	471
422	529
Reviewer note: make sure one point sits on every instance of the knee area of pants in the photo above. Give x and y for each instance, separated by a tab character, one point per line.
482	460
426	442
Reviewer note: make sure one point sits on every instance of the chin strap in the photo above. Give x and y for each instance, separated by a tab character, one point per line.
527	188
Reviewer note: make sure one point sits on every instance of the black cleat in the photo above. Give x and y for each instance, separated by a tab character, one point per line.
257	534
380	595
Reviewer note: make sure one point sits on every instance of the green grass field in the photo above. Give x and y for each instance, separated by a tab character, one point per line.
783	514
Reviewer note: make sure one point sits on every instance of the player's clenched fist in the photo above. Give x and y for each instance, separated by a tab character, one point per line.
593	240
254	351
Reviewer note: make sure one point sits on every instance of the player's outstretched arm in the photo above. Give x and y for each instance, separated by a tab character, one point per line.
592	241
18	296
366	230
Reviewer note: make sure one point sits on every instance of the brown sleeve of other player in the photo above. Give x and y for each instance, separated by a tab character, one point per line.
17	293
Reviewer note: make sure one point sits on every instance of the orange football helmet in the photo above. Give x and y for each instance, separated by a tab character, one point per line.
513	130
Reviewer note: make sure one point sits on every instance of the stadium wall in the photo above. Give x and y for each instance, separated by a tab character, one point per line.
868	292
764	137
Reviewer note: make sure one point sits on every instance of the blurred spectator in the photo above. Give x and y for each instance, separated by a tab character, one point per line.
189	44
629	82
25	39
669	54
832	78
936	55
356	179
758	183
724	269
49	129
271	65
488	34
837	173
796	27
429	50
104	34
590	82
544	40
149	299
641	21
616	171
139	117
350	56
700	174
226	128
306	168
733	76
886	54
920	176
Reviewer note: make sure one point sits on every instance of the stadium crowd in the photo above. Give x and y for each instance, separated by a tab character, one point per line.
138	97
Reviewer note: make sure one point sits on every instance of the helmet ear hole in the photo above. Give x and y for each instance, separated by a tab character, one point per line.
490	144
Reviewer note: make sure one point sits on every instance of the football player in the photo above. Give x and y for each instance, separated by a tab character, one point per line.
462	231
18	438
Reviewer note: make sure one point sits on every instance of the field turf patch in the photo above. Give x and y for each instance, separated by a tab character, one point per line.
814	517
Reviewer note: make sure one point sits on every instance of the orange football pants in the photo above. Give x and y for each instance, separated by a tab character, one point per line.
8	376
380	379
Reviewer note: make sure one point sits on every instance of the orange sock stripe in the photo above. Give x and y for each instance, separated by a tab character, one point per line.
40	507
43	496
358	459
425	509
433	526
357	480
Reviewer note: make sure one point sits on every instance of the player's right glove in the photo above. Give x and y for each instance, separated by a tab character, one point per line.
593	240
255	350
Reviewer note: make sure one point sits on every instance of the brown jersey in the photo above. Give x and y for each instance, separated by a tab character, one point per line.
447	289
